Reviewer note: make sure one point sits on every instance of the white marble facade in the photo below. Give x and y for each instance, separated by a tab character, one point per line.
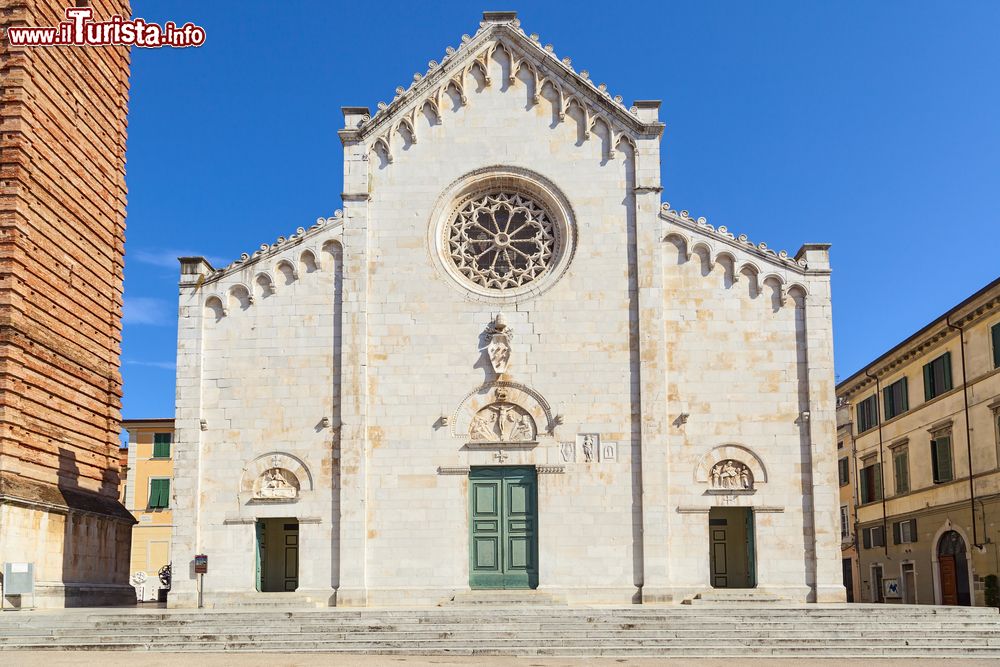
504	286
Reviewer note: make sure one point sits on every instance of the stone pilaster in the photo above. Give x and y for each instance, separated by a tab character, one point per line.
652	361
185	488
821	426
352	588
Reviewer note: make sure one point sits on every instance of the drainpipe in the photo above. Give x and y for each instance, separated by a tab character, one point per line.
881	459
968	433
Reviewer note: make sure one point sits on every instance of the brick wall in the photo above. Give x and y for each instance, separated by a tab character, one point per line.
63	120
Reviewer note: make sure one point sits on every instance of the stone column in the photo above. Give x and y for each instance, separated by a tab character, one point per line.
652	358
185	487
821	423
352	589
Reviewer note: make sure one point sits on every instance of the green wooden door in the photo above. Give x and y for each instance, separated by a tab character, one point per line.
259	551
503	521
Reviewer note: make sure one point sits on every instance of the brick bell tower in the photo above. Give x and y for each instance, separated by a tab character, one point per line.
63	122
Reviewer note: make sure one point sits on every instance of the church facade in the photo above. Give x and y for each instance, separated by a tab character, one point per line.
506	363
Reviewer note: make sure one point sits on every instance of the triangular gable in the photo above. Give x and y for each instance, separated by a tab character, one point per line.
501	31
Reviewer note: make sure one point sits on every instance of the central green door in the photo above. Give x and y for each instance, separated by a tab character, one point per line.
503	523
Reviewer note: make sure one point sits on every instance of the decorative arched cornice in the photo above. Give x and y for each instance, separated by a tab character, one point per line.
521	53
723	237
733	451
333	224
738	268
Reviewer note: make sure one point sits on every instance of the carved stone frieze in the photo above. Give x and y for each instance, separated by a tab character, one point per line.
731	475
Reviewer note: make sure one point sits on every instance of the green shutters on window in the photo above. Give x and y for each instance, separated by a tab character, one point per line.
871	483
895	398
995	332
161	445
937	376
941	459
904	532
901	467
159	493
844	471
868	413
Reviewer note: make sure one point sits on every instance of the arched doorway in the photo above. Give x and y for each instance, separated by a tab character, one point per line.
953	569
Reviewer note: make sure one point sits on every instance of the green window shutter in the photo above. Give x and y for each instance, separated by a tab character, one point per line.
887	402
864	485
903	472
866	538
944	458
913	530
934	462
905	389
928	383
896	530
161	445
946	385
995	331
878	482
159	493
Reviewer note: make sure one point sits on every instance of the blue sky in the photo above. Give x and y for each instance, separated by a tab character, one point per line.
869	125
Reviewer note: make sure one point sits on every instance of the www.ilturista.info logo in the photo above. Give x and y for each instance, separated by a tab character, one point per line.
79	30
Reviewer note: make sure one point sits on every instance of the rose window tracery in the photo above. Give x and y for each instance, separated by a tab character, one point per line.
501	240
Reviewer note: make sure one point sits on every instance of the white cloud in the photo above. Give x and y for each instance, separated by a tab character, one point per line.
168	258
166	365
141	310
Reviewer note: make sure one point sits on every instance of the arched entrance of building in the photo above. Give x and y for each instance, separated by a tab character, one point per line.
953	570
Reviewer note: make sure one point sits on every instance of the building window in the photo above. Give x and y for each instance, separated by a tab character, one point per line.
161	445
895	398
873	537
845	522
901	470
840	444
844	470
941	461
871	483
868	413
937	376
904	532
159	493
995	335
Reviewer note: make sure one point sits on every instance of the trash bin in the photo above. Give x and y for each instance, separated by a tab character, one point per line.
161	595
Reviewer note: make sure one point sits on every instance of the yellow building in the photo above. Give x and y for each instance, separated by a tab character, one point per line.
925	421
848	502
148	496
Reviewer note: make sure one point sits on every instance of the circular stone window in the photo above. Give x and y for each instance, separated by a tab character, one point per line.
503	234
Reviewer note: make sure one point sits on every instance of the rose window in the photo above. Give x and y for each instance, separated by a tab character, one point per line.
501	240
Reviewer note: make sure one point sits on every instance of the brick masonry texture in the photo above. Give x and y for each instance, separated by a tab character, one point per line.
63	121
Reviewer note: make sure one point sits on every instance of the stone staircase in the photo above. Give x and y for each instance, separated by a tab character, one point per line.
703	630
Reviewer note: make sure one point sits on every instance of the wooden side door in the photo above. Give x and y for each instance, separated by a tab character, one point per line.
949	582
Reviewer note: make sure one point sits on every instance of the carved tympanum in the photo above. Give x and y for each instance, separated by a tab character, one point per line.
276	483
730	474
502	421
